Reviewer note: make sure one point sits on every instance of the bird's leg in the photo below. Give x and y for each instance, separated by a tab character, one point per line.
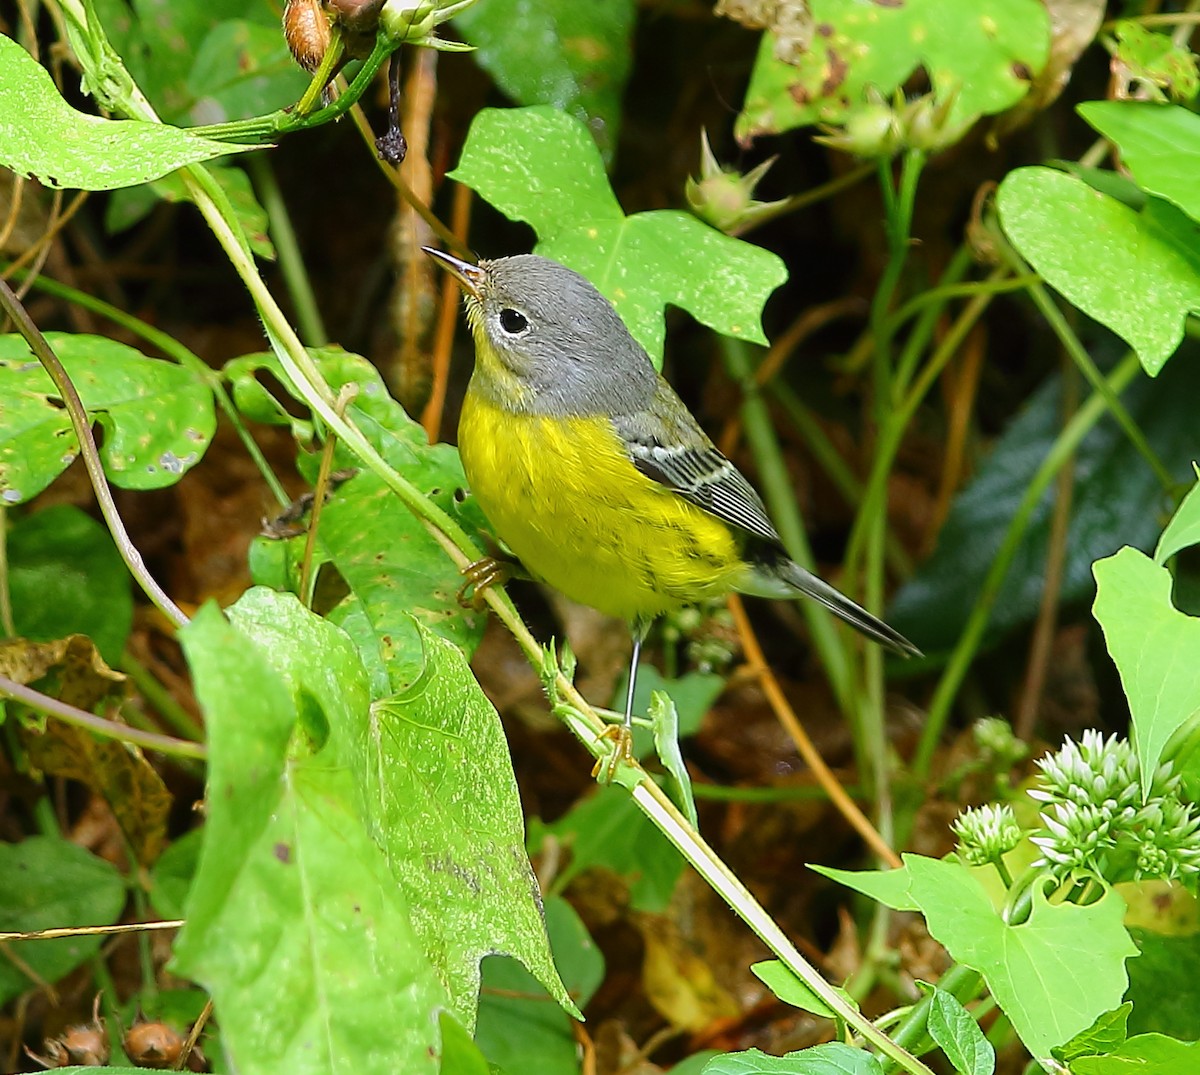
622	734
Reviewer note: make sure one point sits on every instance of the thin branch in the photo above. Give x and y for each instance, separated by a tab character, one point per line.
91	457
109	729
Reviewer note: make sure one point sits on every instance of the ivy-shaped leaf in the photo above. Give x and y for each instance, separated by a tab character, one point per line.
541	166
1051	975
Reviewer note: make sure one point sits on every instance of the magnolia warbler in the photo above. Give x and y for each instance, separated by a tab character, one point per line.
594	472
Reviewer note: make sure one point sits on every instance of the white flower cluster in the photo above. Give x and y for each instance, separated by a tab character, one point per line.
1097	823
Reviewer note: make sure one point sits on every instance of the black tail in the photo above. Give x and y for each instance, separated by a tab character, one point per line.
842	607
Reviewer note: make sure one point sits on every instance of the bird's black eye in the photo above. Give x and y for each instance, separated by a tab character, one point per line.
513	321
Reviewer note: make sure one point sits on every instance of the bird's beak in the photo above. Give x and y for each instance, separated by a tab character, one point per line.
471	278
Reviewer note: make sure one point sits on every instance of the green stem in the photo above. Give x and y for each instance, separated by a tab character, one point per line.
899	203
964	651
291	263
176	717
781	499
870	737
875	493
264	129
830	460
656	806
913	1030
109	729
920	337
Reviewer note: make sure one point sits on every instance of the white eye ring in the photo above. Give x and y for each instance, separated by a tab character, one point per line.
513	322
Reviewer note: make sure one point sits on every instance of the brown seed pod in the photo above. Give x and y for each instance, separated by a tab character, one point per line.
306	27
157	1045
82	1045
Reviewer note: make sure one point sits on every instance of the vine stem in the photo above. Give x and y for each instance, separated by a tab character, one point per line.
109	729
41	348
653	802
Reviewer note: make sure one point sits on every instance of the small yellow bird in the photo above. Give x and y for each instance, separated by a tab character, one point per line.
594	472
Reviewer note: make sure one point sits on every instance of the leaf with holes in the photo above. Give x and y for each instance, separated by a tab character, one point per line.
981	58
158	418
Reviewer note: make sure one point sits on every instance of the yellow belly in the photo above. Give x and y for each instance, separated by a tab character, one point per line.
563	495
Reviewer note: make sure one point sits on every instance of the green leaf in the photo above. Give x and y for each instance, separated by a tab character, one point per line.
460	1055
980	56
1147	1054
833	1058
1183	530
889	887
517	1029
607	829
171	877
555	182
157	418
440	799
1105	1034
44	138
1155	61
1137	273
665	720
571	56
1153	645
395	569
778	978
294	922
1117	500
1052	975
49	883
66	577
958	1035
241	69
1163	985
1159	144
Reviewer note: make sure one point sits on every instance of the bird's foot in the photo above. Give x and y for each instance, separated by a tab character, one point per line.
480	576
605	769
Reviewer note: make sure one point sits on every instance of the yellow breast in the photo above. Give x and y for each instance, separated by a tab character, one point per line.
564	496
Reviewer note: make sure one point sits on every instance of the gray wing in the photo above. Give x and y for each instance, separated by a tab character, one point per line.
665	443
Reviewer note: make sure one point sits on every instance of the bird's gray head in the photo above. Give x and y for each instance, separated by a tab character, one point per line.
546	341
